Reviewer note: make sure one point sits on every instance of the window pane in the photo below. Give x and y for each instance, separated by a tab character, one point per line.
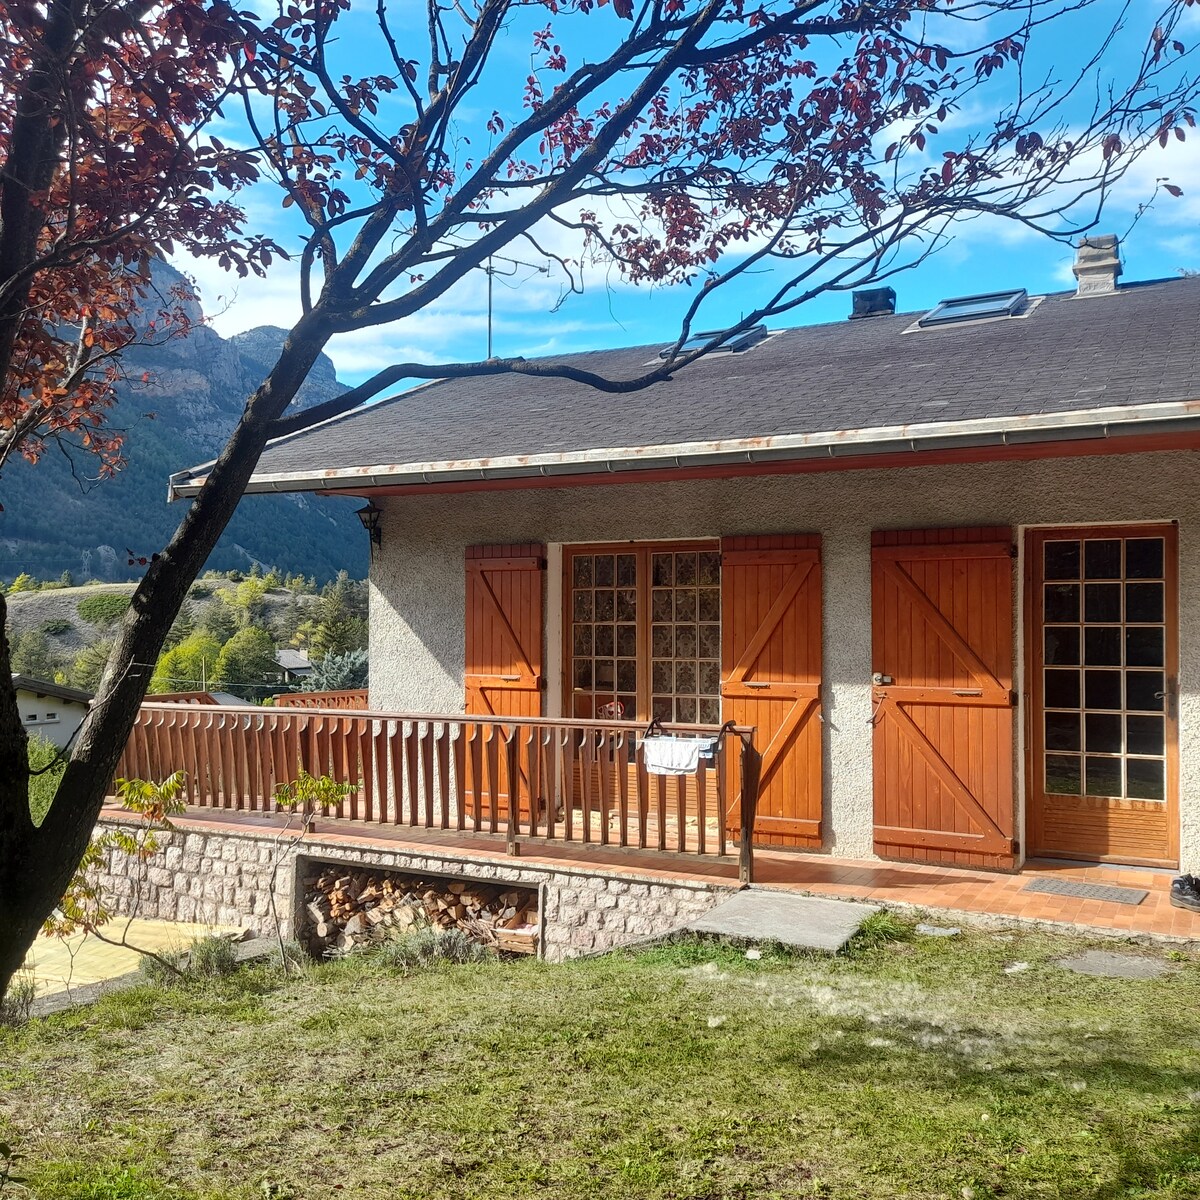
1144	647
1102	646
1147	779
664	574
1102	689
626	675
1144	558
582	570
583	606
1103	777
606	643
1061	602
1102	560
663	708
1062	731
685	709
710	641
605	676
710	568
626	570
605	575
685	641
685	677
626	641
661	604
685	568
1102	602
710	678
1062	689
1143	690
583	640
662	641
710	711
1144	735
1144	602
627	605
1103	732
1062	560
606	606
662	680
1062	645
583	674
1063	775
685	605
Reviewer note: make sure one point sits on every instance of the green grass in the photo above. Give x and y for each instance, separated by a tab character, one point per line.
909	1066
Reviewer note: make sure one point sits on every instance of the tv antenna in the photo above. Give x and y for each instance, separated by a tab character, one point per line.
491	271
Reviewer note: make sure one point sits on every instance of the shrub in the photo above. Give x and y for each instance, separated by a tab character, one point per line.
426	947
104	609
212	958
17	1003
42	786
57	627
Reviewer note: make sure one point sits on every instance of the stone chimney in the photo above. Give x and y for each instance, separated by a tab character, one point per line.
1097	265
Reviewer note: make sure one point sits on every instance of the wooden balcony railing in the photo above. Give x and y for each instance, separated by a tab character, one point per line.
527	779
354	698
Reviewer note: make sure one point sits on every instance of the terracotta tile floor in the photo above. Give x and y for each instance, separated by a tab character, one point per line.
952	889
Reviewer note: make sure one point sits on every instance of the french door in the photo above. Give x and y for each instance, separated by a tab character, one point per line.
1102	632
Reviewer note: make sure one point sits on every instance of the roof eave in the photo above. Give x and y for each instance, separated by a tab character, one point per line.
1113	422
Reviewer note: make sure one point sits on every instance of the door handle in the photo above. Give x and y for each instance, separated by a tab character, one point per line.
753	684
968	691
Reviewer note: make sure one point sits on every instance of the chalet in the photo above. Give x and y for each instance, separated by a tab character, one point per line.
50	710
938	568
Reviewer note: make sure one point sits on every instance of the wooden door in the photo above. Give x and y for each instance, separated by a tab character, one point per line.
942	658
771	675
503	676
1102	638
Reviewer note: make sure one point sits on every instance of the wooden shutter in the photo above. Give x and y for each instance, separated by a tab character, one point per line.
771	675
505	605
943	724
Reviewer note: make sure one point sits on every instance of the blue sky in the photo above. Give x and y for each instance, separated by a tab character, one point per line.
983	255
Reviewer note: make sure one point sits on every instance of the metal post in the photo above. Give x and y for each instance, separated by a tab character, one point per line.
751	769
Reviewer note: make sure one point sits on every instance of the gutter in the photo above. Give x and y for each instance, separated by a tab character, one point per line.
1181	416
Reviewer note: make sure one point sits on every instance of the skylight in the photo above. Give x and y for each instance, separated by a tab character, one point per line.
975	308
733	344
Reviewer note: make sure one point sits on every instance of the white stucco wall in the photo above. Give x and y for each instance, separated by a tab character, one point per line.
68	716
418	585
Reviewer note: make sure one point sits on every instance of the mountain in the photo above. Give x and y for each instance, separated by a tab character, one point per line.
57	516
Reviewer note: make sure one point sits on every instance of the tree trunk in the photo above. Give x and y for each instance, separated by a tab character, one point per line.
36	865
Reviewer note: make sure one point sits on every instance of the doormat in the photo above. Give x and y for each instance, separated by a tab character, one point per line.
1087	891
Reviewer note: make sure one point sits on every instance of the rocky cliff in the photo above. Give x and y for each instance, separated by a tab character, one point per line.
58	516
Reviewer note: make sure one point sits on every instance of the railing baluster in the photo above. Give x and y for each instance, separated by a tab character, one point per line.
442	747
621	767
512	753
681	806
702	808
643	802
723	813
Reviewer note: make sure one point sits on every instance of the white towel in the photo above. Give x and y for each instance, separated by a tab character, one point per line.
675	755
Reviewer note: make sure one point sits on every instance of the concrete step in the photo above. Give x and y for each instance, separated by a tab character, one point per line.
799	922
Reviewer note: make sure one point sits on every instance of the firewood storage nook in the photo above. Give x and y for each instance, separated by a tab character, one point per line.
344	906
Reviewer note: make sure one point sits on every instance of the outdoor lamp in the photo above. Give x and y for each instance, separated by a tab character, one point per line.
369	517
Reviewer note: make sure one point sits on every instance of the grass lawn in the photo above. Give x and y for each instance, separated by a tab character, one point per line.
916	1068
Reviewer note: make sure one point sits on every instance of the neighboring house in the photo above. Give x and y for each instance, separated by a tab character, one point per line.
293	664
947	563
49	709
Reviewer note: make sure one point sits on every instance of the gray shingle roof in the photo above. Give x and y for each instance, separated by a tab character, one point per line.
1137	347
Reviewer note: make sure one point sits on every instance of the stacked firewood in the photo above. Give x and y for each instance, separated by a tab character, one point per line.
346	908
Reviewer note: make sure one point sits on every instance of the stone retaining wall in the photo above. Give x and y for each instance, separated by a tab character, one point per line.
229	877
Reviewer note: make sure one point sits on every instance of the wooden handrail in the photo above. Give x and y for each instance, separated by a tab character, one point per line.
526	779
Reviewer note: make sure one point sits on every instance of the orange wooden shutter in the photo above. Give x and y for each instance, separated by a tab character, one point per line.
942	631
771	674
505	599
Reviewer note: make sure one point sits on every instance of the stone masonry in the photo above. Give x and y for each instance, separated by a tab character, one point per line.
228	876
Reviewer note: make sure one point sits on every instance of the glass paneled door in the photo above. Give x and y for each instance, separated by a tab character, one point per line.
1102	691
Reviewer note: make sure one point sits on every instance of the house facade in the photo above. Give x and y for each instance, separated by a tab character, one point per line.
50	710
945	565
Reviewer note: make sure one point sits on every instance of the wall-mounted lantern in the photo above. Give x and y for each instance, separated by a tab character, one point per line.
369	517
